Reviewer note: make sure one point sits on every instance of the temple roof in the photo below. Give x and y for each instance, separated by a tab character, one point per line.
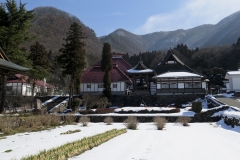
171	63
6	64
140	68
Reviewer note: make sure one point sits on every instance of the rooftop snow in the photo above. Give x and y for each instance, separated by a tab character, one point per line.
177	75
139	71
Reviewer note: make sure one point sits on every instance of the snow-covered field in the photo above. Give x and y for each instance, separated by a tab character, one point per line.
198	141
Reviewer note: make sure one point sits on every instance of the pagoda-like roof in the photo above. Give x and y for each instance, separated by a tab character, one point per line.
139	68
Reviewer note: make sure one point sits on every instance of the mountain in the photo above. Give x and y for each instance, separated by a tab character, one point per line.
226	32
50	25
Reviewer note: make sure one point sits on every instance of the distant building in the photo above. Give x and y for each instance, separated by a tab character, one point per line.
174	77
233	83
17	84
92	79
171	76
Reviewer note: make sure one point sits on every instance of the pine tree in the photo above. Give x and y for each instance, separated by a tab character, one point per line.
106	66
14	30
72	60
40	64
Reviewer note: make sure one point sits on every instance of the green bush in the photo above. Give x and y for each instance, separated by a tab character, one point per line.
197	107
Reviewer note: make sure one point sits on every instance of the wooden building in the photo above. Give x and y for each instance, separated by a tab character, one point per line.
141	77
233	83
174	77
92	79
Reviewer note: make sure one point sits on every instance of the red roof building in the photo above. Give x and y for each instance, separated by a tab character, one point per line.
92	79
18	84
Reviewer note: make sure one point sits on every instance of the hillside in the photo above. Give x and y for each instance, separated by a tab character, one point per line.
50	26
226	32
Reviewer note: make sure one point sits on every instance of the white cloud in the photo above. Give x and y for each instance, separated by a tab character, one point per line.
189	15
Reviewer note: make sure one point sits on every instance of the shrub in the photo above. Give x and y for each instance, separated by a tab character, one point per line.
131	122
183	120
160	122
76	103
108	120
84	120
69	119
86	112
197	107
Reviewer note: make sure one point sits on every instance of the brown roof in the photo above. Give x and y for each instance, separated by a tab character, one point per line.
95	74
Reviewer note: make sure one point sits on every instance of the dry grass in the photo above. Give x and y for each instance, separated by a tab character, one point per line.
84	120
14	124
131	122
108	120
160	122
183	120
71	131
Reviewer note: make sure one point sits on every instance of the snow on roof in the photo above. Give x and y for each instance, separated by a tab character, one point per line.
233	73
177	75
139	71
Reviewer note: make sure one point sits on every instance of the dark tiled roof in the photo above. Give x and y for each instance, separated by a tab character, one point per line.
177	67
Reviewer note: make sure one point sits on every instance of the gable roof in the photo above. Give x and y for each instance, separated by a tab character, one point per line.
95	74
232	73
177	66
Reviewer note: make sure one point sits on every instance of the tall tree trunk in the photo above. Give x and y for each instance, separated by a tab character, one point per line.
32	101
71	87
3	81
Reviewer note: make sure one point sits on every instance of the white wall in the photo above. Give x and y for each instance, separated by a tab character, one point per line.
204	85
236	83
121	86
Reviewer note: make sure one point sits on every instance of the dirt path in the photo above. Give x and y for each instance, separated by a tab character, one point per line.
229	101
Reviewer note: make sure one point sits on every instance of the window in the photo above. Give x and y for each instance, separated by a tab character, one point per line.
88	85
100	85
193	85
165	85
173	85
114	85
197	85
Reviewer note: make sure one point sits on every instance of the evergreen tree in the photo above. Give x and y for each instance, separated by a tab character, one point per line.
72	60
106	66
40	64
14	30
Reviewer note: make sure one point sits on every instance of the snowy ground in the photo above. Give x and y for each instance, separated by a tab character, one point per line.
198	141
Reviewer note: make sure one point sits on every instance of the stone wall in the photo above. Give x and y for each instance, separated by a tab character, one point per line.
154	100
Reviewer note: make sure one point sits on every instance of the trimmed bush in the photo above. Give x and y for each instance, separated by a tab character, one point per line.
197	107
131	122
84	120
104	110
160	122
76	103
108	120
183	120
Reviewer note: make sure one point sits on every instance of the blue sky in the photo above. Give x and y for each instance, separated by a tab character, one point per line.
142	16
